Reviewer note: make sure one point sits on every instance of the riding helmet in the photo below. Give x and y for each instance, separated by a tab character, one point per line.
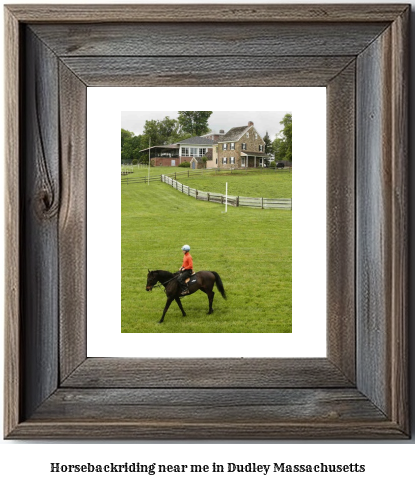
186	247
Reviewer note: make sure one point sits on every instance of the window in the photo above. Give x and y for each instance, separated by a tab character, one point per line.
224	160
244	146
225	146
243	161
194	151
232	160
232	145
260	148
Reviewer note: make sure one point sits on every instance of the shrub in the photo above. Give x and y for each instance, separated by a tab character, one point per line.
184	164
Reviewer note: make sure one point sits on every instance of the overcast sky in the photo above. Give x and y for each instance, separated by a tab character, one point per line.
263	121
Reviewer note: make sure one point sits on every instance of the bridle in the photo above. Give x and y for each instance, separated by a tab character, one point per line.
159	283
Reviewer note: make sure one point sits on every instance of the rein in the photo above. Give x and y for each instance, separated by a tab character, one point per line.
157	285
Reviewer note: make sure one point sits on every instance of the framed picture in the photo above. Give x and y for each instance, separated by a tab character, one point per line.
359	390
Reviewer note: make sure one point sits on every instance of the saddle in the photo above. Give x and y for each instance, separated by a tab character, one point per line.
191	278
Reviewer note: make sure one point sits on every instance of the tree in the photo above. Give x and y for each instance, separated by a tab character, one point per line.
131	145
195	123
162	132
268	145
282	145
125	136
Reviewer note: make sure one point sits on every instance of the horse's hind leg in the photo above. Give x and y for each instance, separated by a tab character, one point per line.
210	295
169	300
179	303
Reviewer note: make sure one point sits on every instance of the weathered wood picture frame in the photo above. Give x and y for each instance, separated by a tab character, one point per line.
360	53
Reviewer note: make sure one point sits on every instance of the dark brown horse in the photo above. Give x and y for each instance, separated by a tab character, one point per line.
202	280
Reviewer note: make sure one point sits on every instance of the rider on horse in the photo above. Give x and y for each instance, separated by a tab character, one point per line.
186	269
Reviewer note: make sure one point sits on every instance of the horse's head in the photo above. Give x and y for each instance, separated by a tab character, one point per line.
152	279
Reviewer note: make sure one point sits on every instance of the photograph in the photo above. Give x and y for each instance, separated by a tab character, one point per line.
206	206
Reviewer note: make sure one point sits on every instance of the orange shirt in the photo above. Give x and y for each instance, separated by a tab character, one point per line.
187	261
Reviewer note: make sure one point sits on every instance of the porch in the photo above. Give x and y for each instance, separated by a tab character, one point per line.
252	159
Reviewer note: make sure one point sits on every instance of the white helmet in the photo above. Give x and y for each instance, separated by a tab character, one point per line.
186	247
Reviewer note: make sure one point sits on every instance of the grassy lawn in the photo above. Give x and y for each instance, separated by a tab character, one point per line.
261	183
249	248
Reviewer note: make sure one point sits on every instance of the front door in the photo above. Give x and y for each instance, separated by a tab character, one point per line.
193	165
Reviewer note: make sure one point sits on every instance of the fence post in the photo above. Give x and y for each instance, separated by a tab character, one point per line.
262	202
196	194
208	197
237	201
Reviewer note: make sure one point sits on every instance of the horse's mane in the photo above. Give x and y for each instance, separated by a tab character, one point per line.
163	271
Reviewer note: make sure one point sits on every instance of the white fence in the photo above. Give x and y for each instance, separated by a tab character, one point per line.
234	201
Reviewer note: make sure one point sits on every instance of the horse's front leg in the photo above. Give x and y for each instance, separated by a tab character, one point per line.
179	303
169	300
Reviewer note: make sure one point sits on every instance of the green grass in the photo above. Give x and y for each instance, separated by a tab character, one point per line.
260	183
249	248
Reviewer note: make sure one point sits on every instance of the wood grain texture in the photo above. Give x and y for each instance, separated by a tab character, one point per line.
205	13
209	39
373	306
188	430
400	233
382	224
40	205
206	71
13	383
211	405
206	373
341	237
53	391
72	222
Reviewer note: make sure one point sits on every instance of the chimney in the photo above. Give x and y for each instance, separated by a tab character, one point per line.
250	123
221	131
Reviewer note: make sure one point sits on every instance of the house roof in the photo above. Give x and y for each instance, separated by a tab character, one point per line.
202	141
234	134
169	146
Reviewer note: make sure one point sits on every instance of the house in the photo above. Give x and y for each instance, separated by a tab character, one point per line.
186	150
240	147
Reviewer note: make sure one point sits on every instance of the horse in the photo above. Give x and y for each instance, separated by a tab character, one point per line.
204	282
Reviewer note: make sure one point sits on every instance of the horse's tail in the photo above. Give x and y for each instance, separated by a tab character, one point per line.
219	284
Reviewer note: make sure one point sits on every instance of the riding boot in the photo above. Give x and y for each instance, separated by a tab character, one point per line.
184	290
